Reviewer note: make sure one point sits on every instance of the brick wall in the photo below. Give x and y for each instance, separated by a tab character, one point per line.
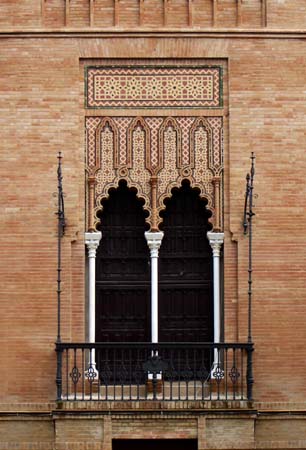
81	431
171	13
41	115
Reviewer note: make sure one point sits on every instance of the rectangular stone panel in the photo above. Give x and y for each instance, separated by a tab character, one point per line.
153	87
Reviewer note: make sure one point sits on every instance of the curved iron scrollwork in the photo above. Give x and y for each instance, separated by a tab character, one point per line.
234	374
218	374
91	374
75	375
61	205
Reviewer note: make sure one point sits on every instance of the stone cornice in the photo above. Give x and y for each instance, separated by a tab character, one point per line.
162	33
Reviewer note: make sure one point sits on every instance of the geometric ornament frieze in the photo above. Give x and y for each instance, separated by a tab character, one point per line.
153	87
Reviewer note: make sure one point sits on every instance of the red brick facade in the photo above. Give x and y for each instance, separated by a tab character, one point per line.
261	45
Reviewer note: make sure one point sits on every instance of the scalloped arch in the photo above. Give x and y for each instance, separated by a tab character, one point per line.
114	185
177	184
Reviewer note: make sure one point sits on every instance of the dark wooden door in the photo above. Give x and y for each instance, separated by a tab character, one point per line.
122	271
185	275
154	444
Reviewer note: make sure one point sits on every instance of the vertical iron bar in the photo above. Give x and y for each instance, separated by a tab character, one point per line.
226	373
250	214
179	373
59	362
89	379
234	380
74	366
218	380
130	374
241	382
98	359
186	376
247	224
250	379
194	374
122	375
83	374
67	371
137	381
164	353
114	372
211	368
107	364
171	374
60	233
203	366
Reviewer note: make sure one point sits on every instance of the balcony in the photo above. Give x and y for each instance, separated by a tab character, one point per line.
146	371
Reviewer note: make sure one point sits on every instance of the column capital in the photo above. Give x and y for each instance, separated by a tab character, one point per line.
215	240
92	240
154	239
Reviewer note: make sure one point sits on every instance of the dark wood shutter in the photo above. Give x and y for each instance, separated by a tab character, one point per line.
122	271
185	272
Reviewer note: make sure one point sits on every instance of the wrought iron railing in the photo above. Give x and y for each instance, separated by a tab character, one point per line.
145	371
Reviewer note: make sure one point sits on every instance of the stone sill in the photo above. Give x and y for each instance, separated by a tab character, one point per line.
157	406
277	409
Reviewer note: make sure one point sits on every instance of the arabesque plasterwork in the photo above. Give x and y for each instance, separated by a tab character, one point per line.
154	152
154	155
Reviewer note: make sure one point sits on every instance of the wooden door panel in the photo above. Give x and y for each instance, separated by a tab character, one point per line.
185	314
122	313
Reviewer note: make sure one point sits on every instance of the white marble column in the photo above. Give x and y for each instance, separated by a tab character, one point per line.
154	240
92	241
216	240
